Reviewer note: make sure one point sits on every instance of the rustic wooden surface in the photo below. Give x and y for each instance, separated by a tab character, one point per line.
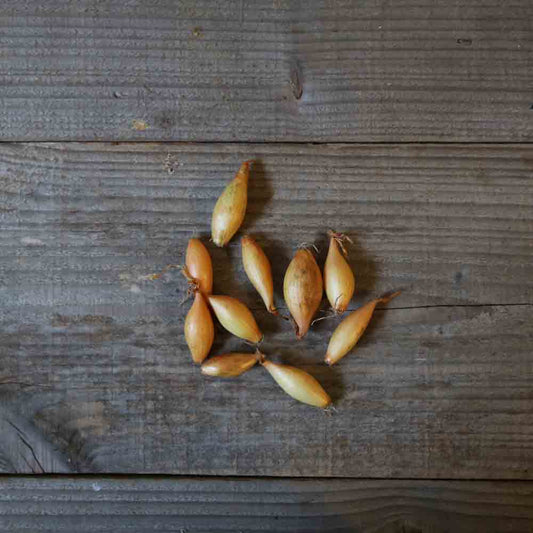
266	70
448	224
141	505
95	373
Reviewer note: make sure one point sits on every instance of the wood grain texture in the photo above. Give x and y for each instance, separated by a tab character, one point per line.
448	224
22	447
95	369
266	70
247	505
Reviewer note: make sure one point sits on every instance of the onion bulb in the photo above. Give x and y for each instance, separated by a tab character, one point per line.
198	266
258	270
229	365
298	384
235	317
230	207
339	280
350	330
199	328
302	289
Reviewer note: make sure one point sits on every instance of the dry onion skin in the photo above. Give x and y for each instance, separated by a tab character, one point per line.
236	318
302	290
339	280
198	266
298	384
229	365
199	328
259	272
230	208
350	330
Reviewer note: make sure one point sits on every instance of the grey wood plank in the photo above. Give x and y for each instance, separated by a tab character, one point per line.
246	505
429	393
259	70
449	224
95	372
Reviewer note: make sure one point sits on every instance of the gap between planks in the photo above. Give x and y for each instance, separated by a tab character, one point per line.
90	476
273	143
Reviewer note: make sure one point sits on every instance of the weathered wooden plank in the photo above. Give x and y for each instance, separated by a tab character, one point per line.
95	371
444	392
266	70
99	504
449	224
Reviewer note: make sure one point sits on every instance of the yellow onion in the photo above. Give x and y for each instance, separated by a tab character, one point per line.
235	317
198	266
298	384
350	330
230	207
339	280
199	328
258	270
302	289
229	365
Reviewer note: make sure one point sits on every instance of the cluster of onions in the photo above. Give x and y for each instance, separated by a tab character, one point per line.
303	289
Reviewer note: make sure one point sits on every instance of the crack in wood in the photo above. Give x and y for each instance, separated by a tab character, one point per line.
34	453
28	445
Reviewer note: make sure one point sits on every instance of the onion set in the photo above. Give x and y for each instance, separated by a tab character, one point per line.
339	280
230	208
259	272
302	290
198	266
298	384
350	330
229	365
199	328
235	317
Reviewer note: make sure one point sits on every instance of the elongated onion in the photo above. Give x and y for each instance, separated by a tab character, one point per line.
339	280
230	208
258	270
350	330
199	328
235	317
302	289
298	384
229	365
198	265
